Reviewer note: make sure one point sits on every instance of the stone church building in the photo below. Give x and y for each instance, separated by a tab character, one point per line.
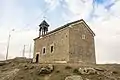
70	43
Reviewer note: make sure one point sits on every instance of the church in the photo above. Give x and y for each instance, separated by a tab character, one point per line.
70	43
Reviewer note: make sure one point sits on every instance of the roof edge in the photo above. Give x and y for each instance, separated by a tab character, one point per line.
70	23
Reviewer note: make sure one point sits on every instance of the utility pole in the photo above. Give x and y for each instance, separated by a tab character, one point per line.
8	46
8	43
24	51
30	51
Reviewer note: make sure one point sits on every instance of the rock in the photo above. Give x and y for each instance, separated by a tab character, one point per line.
12	64
87	71
87	79
31	67
20	77
74	77
26	67
50	66
68	67
114	72
4	69
99	69
2	63
46	70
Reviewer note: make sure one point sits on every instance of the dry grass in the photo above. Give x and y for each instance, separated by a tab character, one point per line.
29	71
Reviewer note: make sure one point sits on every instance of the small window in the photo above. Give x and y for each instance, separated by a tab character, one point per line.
83	36
44	51
51	49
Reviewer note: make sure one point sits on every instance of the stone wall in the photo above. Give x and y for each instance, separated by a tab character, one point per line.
81	44
60	41
74	43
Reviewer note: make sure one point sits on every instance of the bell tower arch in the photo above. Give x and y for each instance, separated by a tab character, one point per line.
43	28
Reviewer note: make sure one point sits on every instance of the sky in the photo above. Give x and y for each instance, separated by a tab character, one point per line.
103	17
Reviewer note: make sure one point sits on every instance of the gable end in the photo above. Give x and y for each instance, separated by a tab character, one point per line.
89	29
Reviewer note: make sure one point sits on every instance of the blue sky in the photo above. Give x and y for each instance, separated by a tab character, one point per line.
103	17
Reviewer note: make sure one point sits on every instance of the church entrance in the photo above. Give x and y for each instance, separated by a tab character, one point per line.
37	58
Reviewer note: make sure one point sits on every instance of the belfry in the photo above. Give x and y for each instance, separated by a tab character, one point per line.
43	28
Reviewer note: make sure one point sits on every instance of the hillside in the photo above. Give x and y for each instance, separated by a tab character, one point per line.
24	69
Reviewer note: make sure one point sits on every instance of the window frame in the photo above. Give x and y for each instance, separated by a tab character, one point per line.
44	50
52	46
51	49
83	36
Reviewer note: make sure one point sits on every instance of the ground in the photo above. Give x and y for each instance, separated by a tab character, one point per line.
24	69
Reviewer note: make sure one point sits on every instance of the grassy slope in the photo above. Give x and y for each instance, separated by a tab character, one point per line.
29	71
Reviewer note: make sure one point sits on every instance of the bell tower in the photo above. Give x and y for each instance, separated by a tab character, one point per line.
43	28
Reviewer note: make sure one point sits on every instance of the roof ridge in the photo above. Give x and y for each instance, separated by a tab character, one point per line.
64	26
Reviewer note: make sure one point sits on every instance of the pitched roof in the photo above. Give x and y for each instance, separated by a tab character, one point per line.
44	23
68	24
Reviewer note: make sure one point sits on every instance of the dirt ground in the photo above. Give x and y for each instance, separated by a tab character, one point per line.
24	69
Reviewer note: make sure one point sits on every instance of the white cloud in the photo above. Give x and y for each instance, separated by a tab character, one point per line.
106	27
52	4
18	40
80	8
2	57
115	9
16	17
107	39
105	23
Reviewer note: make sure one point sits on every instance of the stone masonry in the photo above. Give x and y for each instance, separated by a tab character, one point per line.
71	43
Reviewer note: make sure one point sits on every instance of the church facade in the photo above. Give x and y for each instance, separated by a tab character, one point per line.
71	43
